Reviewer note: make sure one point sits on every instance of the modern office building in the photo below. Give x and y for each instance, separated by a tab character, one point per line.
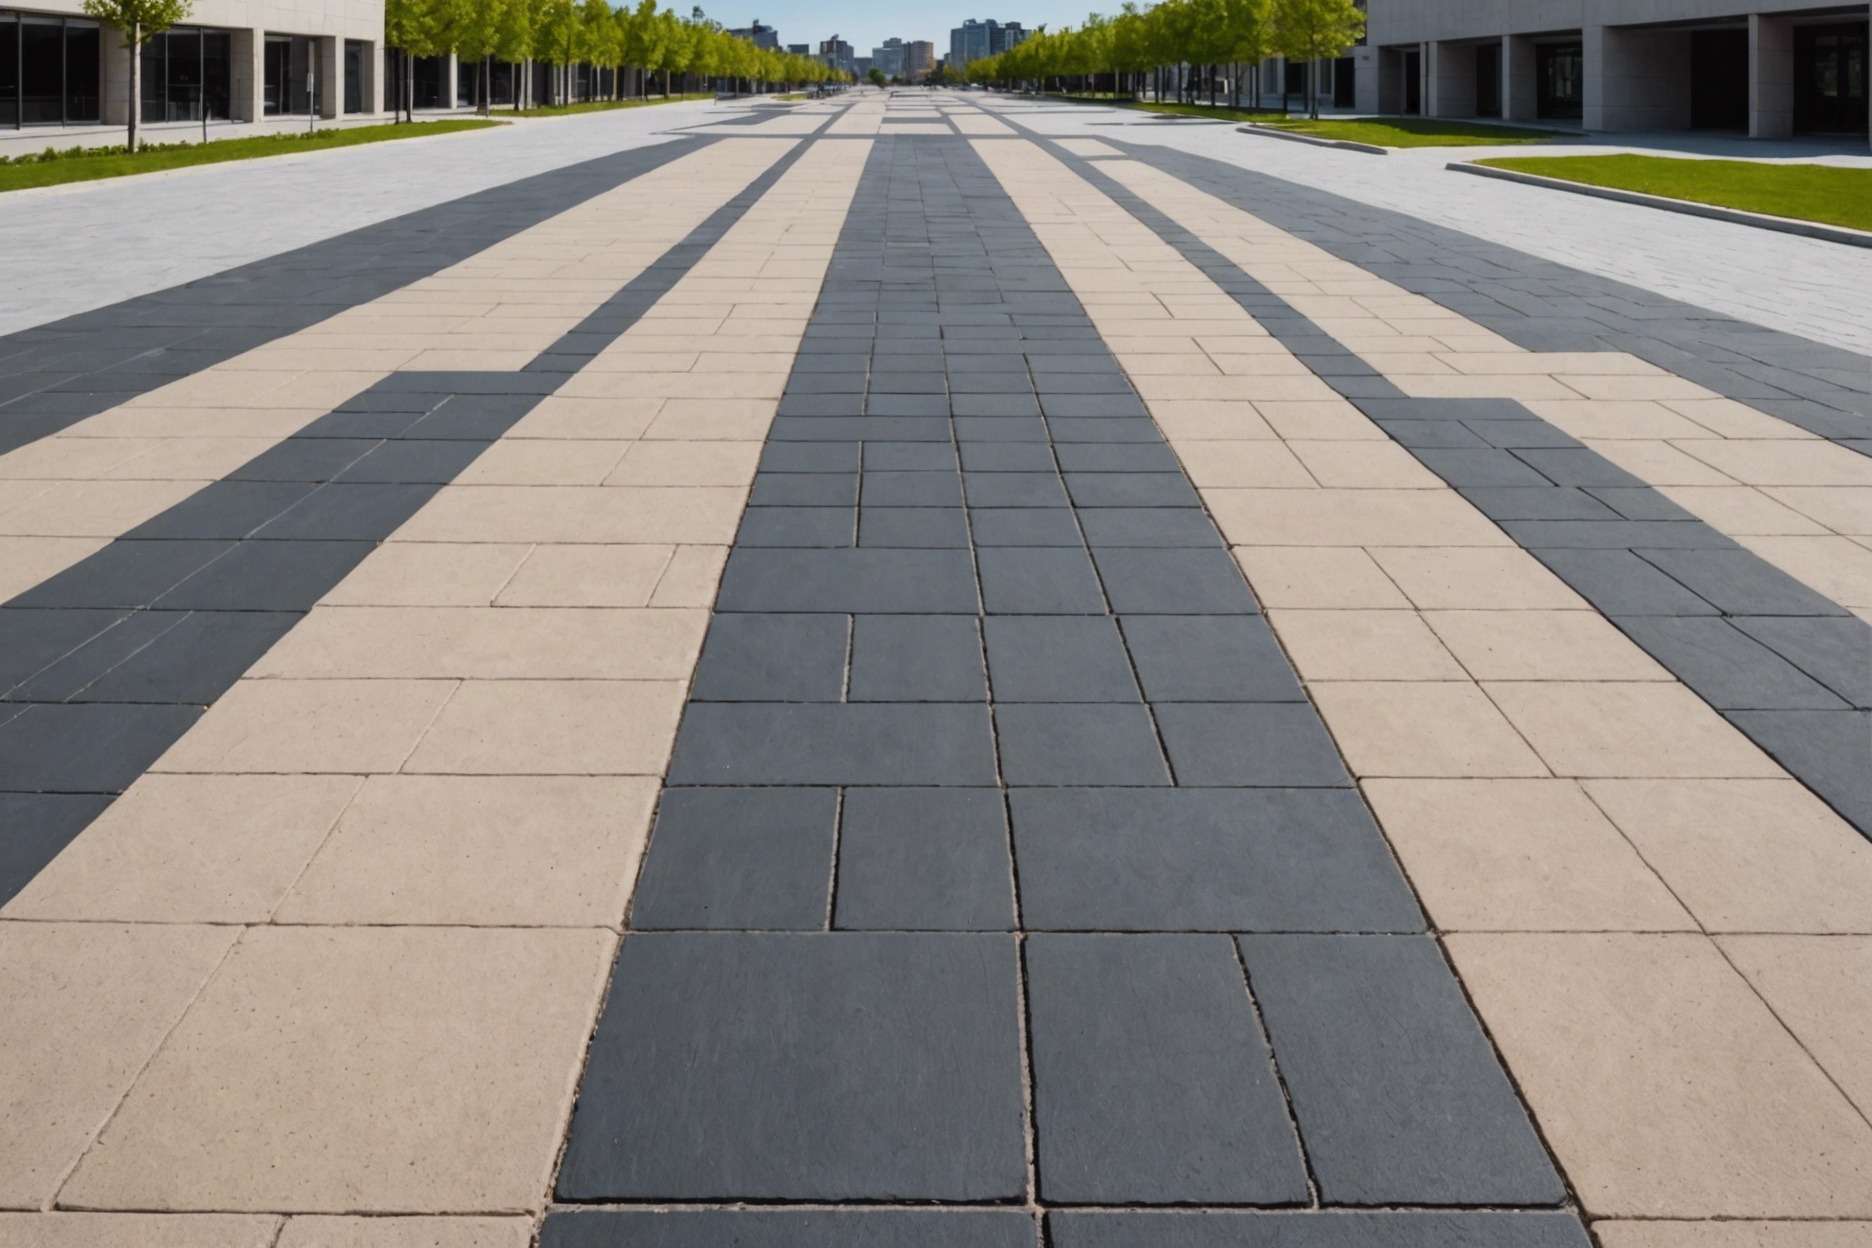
974	39
1771	68
888	57
759	35
837	54
799	49
63	76
919	59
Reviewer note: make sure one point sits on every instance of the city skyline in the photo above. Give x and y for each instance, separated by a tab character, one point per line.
812	21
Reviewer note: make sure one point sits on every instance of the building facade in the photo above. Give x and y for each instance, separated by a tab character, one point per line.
974	39
888	57
63	75
919	59
837	54
759	35
1770	68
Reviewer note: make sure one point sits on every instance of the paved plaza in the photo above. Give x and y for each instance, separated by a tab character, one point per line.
931	671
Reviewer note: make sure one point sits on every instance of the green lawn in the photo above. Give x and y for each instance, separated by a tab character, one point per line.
75	165
1220	112
603	106
1410	132
1826	193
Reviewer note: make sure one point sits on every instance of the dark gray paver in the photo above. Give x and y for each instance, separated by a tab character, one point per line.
90	748
1255	744
34	827
739	858
1828	750
1324	1229
924	859
1055	744
790	1228
1399	1096
835	1066
1058	659
1039	581
1174	582
1837	653
1206	859
917	658
838	743
1740	582
772	658
1618	582
1151	1078
917	582
1726	667
1209	658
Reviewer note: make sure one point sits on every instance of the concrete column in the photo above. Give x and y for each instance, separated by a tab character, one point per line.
1520	87
247	88
449	92
1771	77
113	80
329	50
1365	77
1450	83
1636	79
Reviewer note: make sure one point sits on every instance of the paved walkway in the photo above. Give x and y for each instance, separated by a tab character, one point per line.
870	677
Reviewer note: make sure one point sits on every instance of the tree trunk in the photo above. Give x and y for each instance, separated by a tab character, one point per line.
131	86
1313	87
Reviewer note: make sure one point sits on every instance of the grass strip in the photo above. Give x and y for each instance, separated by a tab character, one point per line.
89	164
1830	194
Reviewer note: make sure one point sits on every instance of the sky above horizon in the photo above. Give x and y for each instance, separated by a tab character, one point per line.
864	26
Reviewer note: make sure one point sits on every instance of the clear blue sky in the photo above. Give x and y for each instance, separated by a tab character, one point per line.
865	25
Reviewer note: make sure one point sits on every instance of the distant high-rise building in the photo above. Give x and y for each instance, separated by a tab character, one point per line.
758	35
861	65
974	39
919	59
837	54
799	49
889	58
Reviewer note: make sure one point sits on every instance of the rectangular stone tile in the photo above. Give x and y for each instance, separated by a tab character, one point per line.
869	744
1364	645
1173	582
924	859
1541	645
1350	518
898	1076
551	727
1151	1080
39	826
1738	582
88	1004
77	748
1725	666
316	1231
1206	859
1688	1234
1249	744
1374	1029
772	658
1058	659
1825	749
916	658
1033	581
1664	1086
1422	728
1821	988
1101	744
1519	854
775	1228
433	575
504	851
1323	577
739	858
1837	653
1620	583
411	1070
1321	1229
867	581
310	726
1209	658
218	849
1611	728
1458	578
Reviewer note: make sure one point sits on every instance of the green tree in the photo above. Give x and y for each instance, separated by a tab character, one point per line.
513	42
1314	30
876	77
138	21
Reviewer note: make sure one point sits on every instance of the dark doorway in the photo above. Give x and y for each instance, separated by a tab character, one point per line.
1560	78
1413	83
288	85
1488	80
1345	83
1719	76
354	75
1830	79
428	75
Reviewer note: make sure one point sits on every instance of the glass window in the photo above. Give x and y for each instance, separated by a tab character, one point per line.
9	69
217	76
353	76
83	48
1560	78
288	59
154	56
42	71
428	77
184	94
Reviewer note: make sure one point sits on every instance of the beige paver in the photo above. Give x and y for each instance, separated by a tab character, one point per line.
1422	728
1468	579
399	1069
587	576
86	1006
1542	645
436	574
1821	988
1664	1085
1363	645
190	849
314	1231
1747	855
487	643
138	1230
552	728
520	851
294	726
1509	855
1606	728
1317	577
1350	518
1660	1234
